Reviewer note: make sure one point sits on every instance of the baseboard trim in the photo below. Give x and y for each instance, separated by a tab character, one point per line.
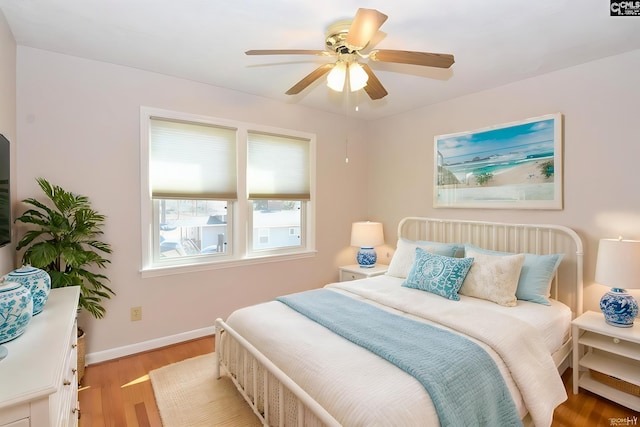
128	350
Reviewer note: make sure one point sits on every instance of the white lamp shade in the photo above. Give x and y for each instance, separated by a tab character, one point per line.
618	264
357	77
337	76
366	234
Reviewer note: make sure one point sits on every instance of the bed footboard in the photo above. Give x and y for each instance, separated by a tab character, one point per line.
274	397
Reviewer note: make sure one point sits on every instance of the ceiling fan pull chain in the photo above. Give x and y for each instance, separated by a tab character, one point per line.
346	150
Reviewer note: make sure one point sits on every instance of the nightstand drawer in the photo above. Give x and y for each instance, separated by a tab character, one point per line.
355	272
345	276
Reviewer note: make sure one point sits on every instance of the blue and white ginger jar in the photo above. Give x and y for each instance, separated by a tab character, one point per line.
619	308
367	257
16	309
37	280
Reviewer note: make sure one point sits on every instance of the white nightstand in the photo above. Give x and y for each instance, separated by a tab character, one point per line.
607	349
354	271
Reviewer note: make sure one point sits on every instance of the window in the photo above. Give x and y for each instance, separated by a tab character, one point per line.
218	192
190	227
278	182
273	221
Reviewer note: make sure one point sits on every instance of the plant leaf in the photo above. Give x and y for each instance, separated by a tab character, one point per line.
62	241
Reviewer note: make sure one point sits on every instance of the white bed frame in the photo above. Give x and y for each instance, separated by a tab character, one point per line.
278	400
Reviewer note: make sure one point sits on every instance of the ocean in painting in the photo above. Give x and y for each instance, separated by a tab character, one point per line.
494	164
495	150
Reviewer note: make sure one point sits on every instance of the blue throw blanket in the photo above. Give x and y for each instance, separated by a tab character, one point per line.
463	381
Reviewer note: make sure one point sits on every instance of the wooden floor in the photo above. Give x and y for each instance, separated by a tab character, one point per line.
118	393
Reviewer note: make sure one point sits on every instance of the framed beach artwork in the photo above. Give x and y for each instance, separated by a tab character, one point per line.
511	166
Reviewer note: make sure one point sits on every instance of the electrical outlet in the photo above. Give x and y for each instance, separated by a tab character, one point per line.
136	313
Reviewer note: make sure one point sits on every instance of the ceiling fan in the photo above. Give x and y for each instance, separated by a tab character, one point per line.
346	40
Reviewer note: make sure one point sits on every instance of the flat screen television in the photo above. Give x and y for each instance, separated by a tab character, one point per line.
5	187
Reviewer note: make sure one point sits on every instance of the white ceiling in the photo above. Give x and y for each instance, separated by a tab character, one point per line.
494	42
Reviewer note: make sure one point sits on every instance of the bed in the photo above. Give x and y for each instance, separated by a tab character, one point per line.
297	363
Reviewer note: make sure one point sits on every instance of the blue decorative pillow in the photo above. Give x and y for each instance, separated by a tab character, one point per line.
440	275
537	272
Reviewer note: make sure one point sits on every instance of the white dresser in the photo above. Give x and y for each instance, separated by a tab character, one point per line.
38	382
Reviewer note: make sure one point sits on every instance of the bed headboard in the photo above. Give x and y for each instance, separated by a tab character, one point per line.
539	239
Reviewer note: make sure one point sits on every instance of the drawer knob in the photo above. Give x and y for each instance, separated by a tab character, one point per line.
66	382
616	340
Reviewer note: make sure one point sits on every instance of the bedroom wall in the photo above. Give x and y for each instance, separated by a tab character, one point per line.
78	126
8	120
599	101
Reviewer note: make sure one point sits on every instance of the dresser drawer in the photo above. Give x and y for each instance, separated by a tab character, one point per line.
43	359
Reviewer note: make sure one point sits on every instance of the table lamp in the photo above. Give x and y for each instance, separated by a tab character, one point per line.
618	266
366	235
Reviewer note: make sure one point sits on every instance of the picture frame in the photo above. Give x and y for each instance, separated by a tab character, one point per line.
515	165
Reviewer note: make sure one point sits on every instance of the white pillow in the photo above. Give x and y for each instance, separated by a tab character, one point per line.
405	254
493	278
536	275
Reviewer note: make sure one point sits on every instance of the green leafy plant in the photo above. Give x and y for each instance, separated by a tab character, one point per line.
64	244
546	168
483	178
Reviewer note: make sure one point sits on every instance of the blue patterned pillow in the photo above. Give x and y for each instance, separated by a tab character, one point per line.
440	275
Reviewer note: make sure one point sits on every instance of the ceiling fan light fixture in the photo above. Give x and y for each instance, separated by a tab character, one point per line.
357	77
345	39
337	77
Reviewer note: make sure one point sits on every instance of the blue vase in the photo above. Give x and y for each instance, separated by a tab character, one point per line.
367	257
619	308
37	280
16	309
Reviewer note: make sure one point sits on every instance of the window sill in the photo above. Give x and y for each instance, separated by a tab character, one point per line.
215	265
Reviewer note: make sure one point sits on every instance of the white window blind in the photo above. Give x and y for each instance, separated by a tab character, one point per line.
192	161
278	167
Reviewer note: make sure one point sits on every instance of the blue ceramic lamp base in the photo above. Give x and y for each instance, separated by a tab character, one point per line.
367	257
619	308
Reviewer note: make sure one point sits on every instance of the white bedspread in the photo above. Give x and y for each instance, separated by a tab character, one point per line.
361	389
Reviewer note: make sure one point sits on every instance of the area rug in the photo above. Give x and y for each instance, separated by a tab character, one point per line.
188	395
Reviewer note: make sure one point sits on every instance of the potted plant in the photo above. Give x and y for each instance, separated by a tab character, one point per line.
63	242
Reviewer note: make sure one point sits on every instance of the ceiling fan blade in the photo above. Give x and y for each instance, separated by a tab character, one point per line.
440	60
374	88
310	78
288	52
364	26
